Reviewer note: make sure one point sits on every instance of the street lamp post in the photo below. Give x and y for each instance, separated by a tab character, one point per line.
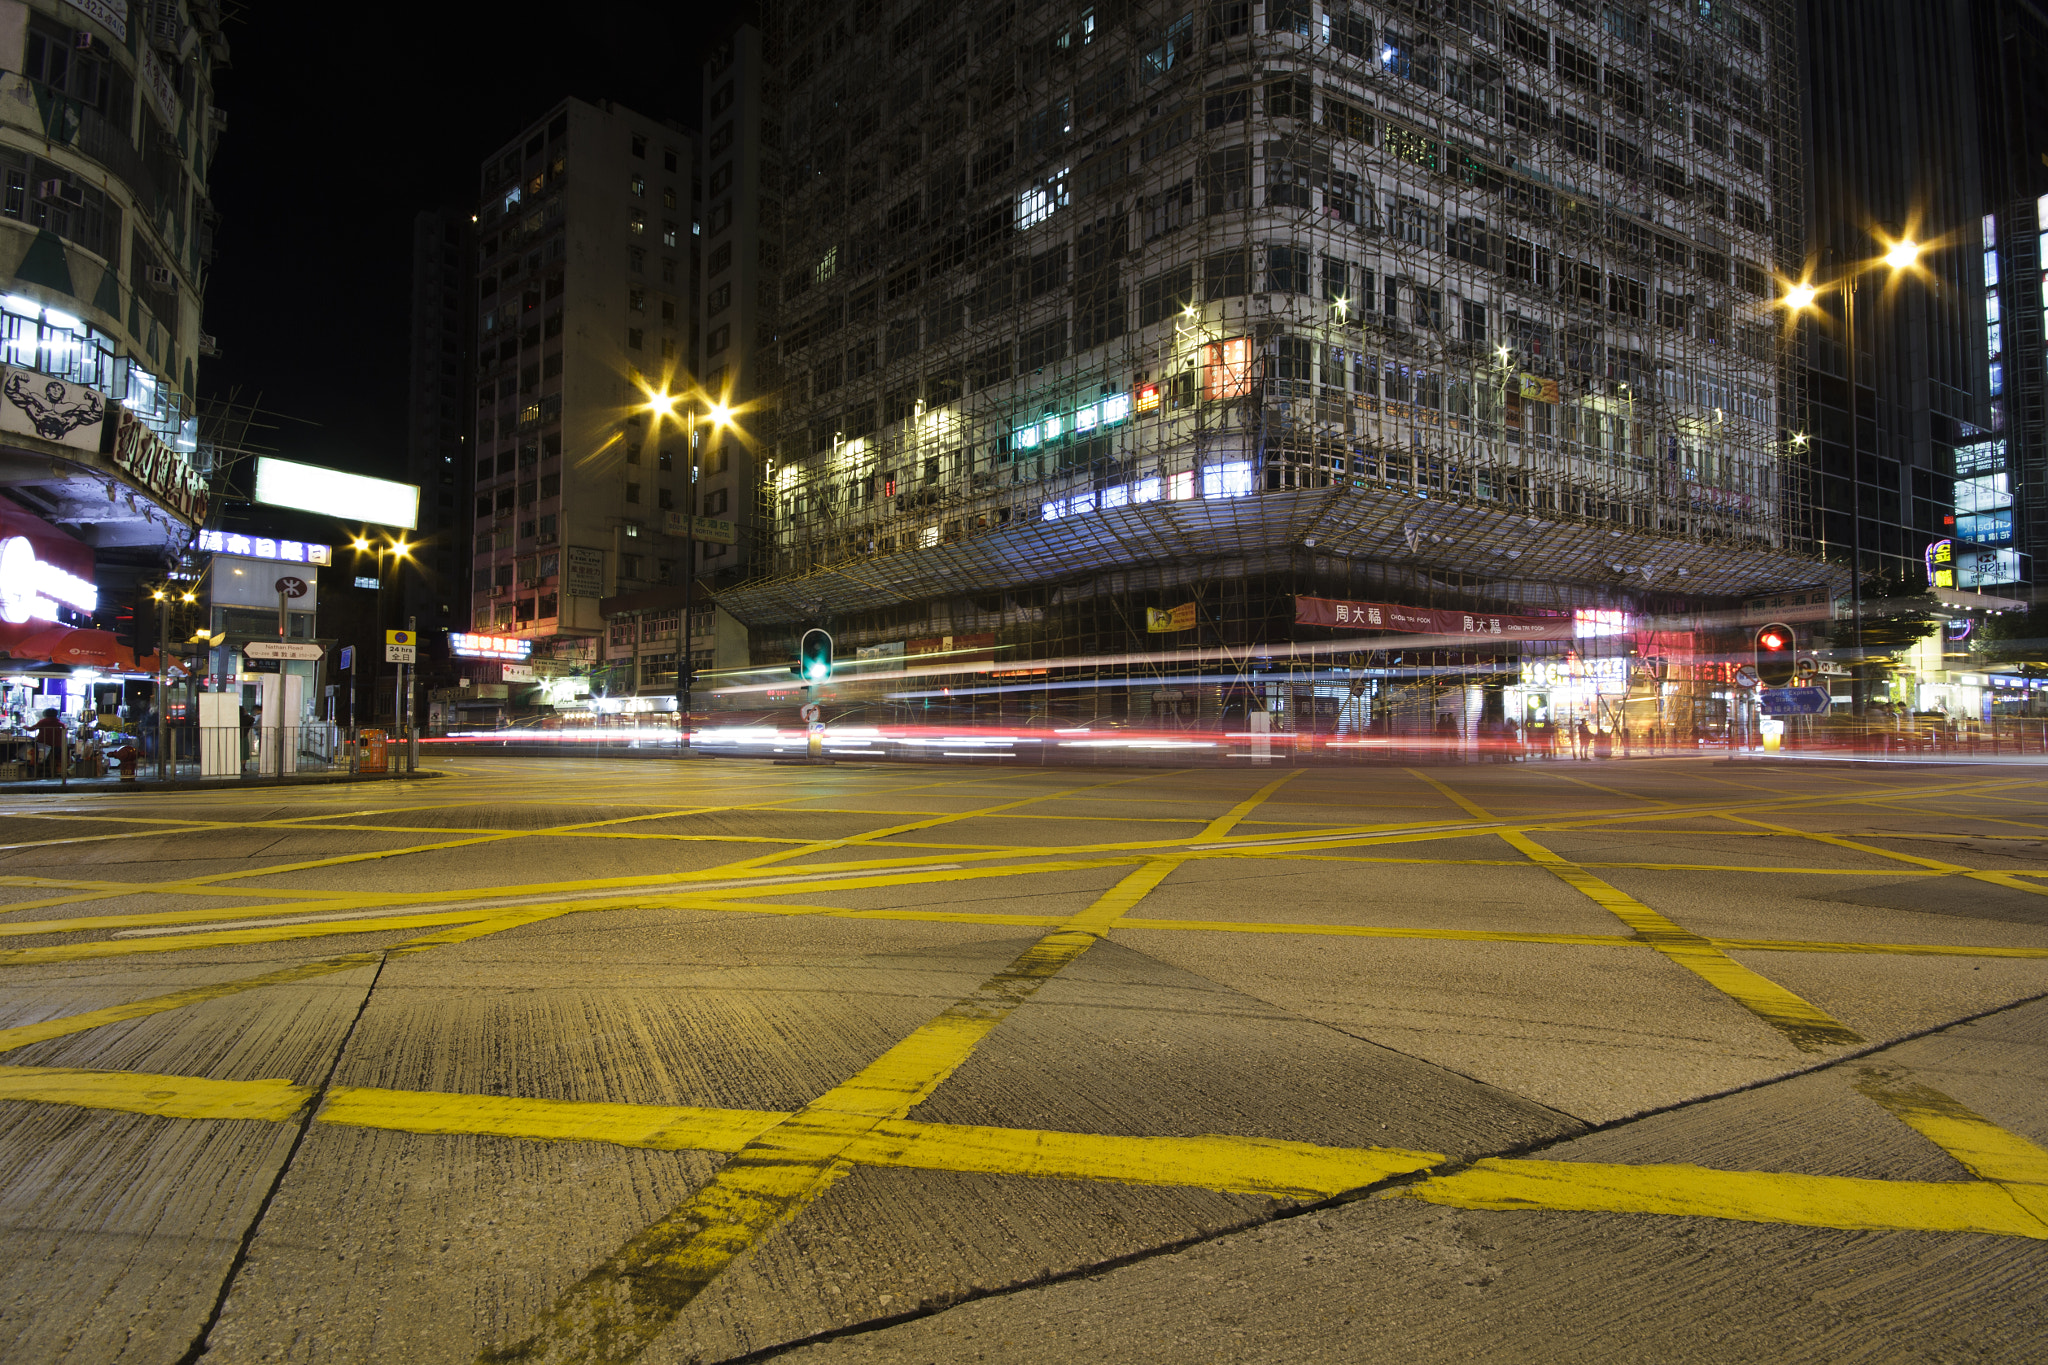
398	550
1901	255
717	415
164	768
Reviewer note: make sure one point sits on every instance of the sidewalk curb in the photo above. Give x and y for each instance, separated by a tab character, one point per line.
142	786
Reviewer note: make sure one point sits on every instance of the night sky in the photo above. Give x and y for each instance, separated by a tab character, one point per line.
342	124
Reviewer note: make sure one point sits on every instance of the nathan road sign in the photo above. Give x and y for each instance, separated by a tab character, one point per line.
280	649
1792	701
401	654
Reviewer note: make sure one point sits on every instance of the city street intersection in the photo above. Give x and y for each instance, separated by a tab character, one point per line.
569	1060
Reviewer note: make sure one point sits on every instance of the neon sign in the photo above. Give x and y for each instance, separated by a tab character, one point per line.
488	647
33	589
263	547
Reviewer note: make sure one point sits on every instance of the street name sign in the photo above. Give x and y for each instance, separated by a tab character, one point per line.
280	649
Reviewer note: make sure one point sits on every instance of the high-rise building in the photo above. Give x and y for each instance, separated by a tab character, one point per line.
106	237
2001	489
1108	330
584	263
439	410
1895	155
742	241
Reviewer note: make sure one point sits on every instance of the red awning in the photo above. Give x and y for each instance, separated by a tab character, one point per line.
70	647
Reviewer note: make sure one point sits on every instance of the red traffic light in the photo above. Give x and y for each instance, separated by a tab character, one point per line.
1776	665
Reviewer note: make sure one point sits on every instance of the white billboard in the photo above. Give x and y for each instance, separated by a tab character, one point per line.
349	497
260	582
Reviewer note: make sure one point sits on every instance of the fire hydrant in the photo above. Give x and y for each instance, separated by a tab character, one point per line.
126	757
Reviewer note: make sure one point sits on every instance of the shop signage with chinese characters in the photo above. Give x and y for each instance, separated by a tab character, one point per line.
583	571
465	646
1941	563
164	471
1323	611
713	530
264	547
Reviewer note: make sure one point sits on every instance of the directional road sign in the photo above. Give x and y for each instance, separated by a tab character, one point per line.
280	649
1793	701
348	656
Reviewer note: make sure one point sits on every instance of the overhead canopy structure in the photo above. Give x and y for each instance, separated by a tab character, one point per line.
1264	529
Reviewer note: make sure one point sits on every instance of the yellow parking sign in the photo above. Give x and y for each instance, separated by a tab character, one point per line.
401	637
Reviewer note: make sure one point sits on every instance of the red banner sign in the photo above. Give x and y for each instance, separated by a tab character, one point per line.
1324	611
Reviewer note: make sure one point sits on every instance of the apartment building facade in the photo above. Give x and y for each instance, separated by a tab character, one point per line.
108	130
1086	313
583	268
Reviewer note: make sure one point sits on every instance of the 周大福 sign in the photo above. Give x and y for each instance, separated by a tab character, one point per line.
1324	611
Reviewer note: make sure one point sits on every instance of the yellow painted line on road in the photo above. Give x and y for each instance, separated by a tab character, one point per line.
1281	1170
1685	1191
1987	1150
619	1307
1379	931
1245	1165
23	1034
1227	821
930	822
1766	945
1807	1026
133	1092
660	1127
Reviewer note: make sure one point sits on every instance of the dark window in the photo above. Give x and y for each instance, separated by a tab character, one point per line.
1163	296
1229	106
1227	274
1287	270
1041	346
1288	98
1527	41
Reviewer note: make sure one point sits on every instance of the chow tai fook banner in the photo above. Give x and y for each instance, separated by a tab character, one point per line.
1326	611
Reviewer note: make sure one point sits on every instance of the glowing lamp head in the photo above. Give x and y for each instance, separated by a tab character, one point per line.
1799	296
720	414
361	543
1902	254
401	549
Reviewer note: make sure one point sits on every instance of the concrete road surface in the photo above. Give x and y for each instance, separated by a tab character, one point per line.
560	1060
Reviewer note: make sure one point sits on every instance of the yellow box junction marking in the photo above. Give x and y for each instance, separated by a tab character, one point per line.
1808	1027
